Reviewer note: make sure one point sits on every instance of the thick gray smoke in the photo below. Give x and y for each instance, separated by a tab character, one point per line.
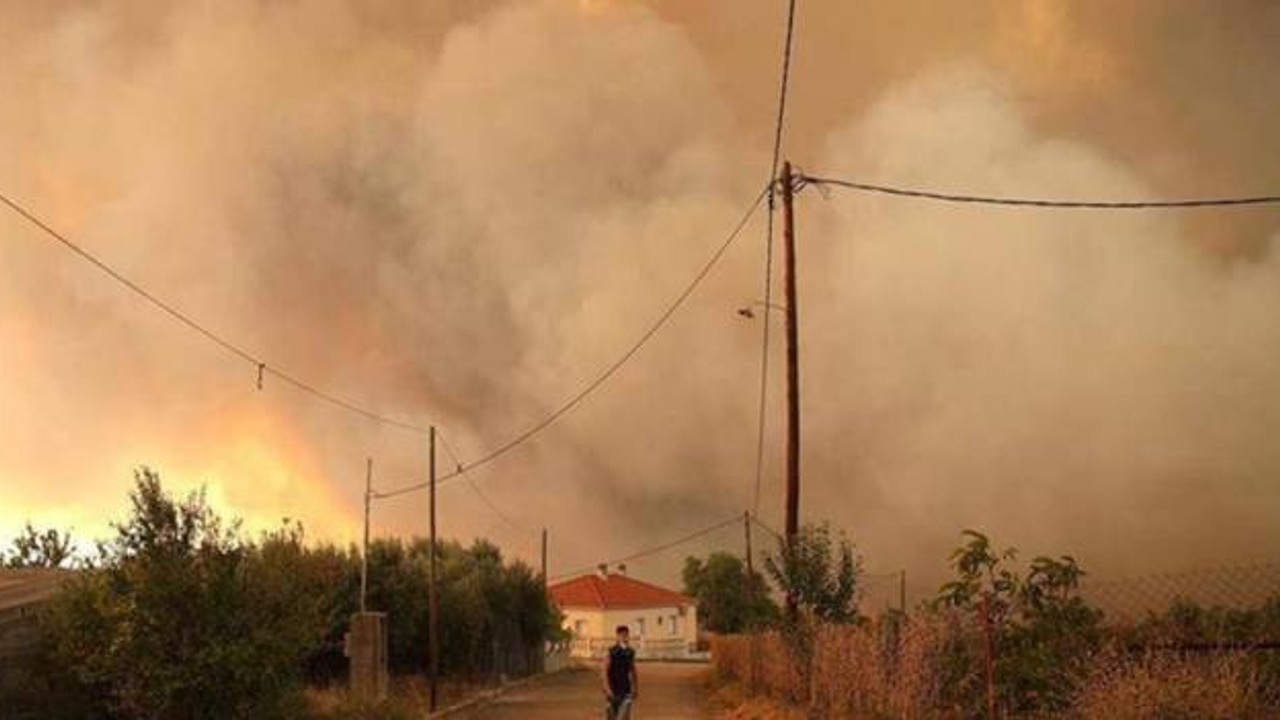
459	213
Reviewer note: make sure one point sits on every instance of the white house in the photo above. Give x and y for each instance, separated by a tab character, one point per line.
663	623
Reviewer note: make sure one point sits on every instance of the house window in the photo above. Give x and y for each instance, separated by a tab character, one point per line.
580	628
640	627
674	626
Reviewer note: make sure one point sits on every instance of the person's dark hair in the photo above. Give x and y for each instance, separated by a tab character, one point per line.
622	629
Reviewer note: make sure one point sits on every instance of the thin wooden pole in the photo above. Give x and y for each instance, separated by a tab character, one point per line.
544	558
364	552
432	599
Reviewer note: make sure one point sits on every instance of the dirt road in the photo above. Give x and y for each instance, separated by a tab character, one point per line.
667	692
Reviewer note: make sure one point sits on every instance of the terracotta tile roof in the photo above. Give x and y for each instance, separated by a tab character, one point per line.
614	591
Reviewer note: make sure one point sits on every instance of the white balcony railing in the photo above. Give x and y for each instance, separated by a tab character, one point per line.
647	648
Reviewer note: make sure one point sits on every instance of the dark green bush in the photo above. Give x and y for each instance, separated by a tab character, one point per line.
730	599
180	618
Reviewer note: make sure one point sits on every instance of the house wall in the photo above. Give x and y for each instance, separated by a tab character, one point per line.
585	622
651	629
655	623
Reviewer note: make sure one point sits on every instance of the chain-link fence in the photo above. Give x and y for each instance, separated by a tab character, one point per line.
1122	600
1236	587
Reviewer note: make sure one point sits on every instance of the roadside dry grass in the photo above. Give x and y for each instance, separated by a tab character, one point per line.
855	671
407	698
1217	686
729	702
858	675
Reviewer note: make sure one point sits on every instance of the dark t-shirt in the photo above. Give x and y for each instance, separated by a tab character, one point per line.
622	660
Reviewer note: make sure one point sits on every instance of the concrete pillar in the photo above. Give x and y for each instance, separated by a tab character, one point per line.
366	647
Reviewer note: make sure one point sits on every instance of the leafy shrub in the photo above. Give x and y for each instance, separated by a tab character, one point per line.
1021	643
818	569
180	618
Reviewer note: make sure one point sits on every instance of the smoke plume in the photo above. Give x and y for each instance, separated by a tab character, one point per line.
458	213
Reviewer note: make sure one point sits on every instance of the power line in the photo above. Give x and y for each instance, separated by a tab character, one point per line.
604	376
475	488
768	253
762	525
782	89
654	550
448	449
493	507
778	536
1037	202
260	364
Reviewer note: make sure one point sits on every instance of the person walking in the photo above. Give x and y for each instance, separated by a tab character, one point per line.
621	683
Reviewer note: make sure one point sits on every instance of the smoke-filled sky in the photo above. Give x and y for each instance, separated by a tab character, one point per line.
460	212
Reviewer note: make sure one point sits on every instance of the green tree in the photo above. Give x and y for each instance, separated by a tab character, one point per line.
819	571
494	614
1032	635
730	600
39	549
181	619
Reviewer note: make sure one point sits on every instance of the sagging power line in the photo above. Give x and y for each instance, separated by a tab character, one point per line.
847	184
654	550
607	373
260	365
768	252
475	488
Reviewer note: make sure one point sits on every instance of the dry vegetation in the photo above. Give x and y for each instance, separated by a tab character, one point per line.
1218	686
407	698
863	671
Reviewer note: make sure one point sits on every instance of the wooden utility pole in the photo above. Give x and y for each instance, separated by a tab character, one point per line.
544	558
746	529
432	608
902	592
364	552
793	356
